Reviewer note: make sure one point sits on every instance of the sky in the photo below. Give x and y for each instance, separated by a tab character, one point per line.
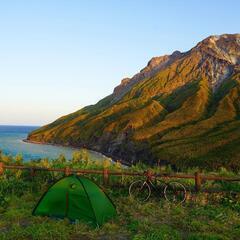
57	56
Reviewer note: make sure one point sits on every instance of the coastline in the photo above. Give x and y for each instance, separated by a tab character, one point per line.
114	159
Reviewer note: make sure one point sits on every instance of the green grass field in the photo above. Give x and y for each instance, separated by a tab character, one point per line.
212	216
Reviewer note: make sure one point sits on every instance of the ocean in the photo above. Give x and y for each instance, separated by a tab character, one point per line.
11	143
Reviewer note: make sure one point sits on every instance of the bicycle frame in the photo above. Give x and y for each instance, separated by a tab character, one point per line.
150	183
161	188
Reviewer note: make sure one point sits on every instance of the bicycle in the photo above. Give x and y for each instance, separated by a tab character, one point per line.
141	190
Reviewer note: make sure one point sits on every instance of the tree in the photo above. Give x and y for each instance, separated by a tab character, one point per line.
107	163
77	157
62	158
19	159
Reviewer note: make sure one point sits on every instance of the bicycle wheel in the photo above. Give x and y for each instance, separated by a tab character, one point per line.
140	190
175	192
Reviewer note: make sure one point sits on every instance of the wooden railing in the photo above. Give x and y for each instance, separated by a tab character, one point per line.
106	173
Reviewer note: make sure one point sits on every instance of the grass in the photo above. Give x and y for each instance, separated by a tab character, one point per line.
152	220
202	217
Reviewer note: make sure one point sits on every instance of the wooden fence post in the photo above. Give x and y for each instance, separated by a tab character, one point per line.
197	181
67	171
1	168
32	172
105	176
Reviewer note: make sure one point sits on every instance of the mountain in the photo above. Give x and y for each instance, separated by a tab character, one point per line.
182	109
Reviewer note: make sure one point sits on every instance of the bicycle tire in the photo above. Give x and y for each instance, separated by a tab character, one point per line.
178	190
137	188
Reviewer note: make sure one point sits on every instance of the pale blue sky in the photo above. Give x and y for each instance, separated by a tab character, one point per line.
57	56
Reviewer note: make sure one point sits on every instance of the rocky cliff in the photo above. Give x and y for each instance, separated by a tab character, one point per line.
182	108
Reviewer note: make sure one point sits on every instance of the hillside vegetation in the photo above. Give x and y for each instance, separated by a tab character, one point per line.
182	109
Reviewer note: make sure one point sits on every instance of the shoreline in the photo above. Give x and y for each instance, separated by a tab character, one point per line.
78	148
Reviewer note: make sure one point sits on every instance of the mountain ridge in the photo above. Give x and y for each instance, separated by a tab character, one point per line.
169	112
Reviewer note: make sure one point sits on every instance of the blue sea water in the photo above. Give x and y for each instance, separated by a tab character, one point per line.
11	143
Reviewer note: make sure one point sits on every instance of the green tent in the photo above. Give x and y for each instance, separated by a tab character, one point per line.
76	198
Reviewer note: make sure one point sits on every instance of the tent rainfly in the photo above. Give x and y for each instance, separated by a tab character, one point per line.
76	198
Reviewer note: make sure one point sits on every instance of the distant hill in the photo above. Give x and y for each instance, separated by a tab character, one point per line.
182	108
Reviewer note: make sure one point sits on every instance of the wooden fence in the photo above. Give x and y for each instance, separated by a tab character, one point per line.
197	177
